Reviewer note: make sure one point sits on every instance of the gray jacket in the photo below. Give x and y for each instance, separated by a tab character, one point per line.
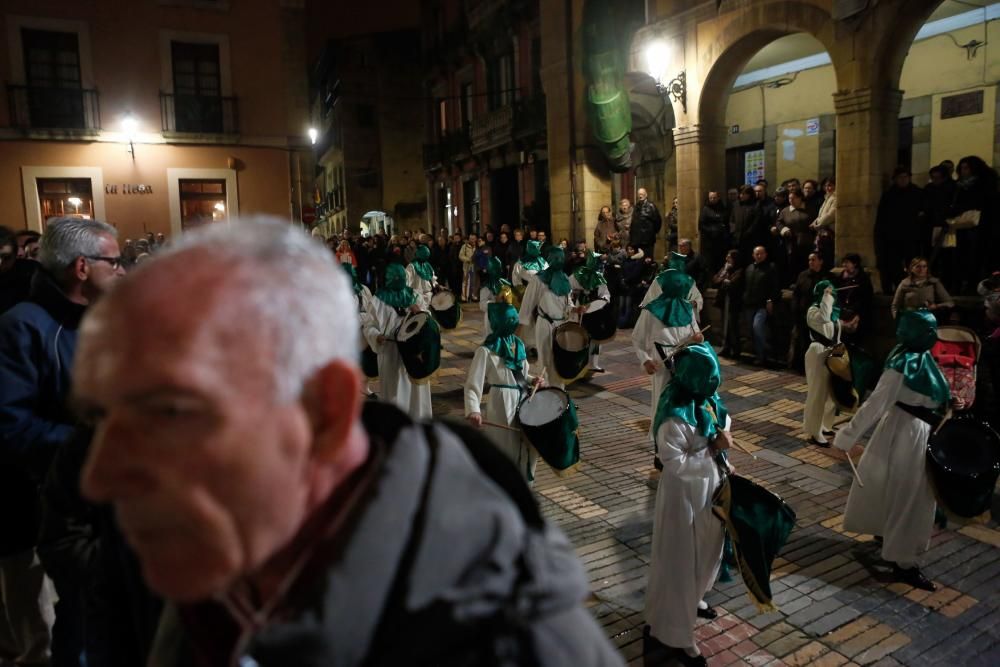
477	560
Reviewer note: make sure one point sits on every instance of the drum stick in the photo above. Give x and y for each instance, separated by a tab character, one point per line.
947	416
503	426
534	386
854	469
743	449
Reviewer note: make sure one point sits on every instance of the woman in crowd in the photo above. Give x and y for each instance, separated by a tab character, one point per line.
854	296
920	290
825	222
728	283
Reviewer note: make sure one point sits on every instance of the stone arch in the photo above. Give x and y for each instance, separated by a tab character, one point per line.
899	30
746	33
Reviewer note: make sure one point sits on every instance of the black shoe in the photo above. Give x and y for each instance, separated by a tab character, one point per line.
708	613
914	577
656	463
669	654
814	441
829	434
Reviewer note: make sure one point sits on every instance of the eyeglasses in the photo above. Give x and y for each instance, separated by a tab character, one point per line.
113	262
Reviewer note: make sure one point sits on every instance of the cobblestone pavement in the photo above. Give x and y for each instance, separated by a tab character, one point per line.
837	604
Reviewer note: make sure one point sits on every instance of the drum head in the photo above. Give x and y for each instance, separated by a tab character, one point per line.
411	326
572	337
545	406
443	300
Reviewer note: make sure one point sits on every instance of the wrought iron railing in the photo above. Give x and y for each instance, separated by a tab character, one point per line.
50	108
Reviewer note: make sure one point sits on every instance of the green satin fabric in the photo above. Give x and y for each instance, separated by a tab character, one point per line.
532	258
818	290
588	276
355	283
554	277
421	264
916	333
396	292
502	341
494	276
692	394
672	306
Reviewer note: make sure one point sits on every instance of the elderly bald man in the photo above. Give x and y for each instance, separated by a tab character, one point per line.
287	520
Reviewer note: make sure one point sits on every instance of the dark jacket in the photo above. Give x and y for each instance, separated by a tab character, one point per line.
698	268
856	301
760	284
37	343
798	221
15	284
900	215
802	294
713	229
646	223
750	229
443	560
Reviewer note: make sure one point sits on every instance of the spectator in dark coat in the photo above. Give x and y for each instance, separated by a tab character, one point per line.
855	302
748	223
899	229
812	197
939	195
802	298
455	264
15	272
79	260
761	290
728	283
516	248
976	190
646	223
695	264
713	229
798	237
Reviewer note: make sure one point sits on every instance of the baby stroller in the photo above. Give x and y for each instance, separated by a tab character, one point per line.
957	353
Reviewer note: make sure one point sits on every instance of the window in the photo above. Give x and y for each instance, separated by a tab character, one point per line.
500	82
203	201
197	87
52	74
442	117
72	197
467	104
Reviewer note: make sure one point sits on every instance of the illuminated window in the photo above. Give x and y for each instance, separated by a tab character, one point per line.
203	201
59	197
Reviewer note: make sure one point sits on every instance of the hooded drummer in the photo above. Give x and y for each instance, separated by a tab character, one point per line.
663	323
594	294
420	276
896	501
363	296
502	362
387	308
676	262
524	270
691	426
823	323
547	303
494	288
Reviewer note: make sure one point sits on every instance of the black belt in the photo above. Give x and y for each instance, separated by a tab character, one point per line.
551	321
817	337
923	414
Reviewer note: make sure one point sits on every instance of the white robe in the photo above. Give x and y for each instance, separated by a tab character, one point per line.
602	301
522	276
687	537
648	331
501	407
539	300
820	407
897	501
396	387
423	288
486	297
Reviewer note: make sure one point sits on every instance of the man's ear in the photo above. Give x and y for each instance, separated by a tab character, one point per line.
333	401
80	269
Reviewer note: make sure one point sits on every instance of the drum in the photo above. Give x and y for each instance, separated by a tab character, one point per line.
601	324
419	341
963	463
446	309
369	363
842	389
570	350
548	420
759	523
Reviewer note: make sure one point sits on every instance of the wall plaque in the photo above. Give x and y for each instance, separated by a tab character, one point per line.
963	104
129	189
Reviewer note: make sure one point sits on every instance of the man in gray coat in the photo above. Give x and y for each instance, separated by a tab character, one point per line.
285	519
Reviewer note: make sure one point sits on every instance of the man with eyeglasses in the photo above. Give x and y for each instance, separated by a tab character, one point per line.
79	261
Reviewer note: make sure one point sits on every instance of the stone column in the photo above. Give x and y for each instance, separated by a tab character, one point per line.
700	158
866	155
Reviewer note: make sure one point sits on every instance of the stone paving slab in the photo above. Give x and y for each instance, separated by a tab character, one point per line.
837	603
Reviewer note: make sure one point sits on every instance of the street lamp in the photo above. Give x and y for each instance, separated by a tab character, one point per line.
313	135
659	61
129	126
75	201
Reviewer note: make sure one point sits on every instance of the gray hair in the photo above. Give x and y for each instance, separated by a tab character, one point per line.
65	239
298	296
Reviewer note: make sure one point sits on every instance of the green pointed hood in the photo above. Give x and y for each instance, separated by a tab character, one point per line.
396	292
532	258
692	394
916	333
818	297
554	277
494	276
421	264
502	341
588	275
672	306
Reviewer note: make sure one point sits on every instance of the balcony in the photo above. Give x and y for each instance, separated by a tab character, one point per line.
493	129
198	114
529	117
54	109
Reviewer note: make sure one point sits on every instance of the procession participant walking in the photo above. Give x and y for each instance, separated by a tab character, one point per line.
590	289
494	288
387	309
676	262
691	426
547	303
363	296
502	362
304	525
530	263
663	323
823	323
420	276
897	501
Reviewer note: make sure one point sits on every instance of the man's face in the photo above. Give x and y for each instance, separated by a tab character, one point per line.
808	190
8	255
542	237
713	198
684	248
795	199
642	194
32	249
102	273
625	206
759	255
473	239
208	473
901	180
759	192
938	178
815	263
